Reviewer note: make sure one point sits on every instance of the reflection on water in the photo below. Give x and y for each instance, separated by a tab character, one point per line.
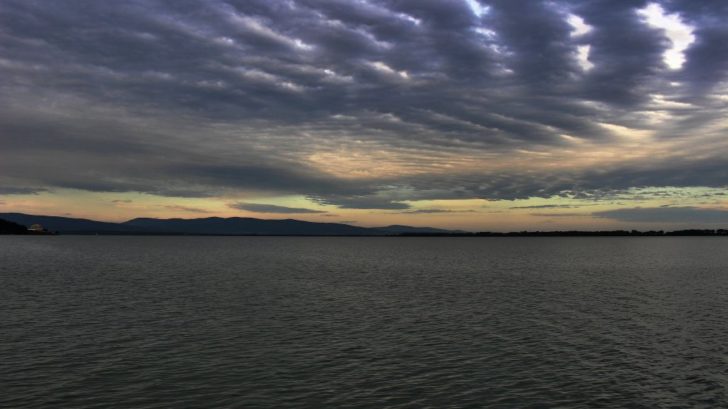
158	322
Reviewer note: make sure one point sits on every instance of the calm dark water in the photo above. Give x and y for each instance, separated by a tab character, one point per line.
244	322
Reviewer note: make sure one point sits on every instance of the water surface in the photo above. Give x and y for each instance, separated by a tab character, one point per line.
254	322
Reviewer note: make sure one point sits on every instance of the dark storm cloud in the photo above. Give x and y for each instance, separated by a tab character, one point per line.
269	208
206	98
687	215
537	39
626	53
707	59
606	183
9	190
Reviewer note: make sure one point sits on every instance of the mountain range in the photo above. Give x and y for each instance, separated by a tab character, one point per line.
212	226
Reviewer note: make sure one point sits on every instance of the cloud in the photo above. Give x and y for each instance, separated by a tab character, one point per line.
186	209
430	100
686	215
431	211
361	202
9	190
428	211
544	207
560	215
269	208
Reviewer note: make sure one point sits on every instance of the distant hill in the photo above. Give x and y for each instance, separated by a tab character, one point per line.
17	223
66	224
211	226
8	227
246	226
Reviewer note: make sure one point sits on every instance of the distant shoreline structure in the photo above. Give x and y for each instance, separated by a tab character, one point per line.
9	227
24	224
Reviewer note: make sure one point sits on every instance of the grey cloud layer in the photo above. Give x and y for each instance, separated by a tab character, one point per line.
269	208
205	98
666	215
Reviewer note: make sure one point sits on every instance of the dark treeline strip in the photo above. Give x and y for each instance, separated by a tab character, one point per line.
578	233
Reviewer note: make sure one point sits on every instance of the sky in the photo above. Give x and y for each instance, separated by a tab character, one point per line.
471	114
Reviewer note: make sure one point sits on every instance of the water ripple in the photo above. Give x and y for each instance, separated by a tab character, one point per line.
158	322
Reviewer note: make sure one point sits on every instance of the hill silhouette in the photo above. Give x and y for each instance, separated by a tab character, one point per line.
16	223
211	226
8	227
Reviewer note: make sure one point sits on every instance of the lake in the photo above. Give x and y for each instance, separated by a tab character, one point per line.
258	322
